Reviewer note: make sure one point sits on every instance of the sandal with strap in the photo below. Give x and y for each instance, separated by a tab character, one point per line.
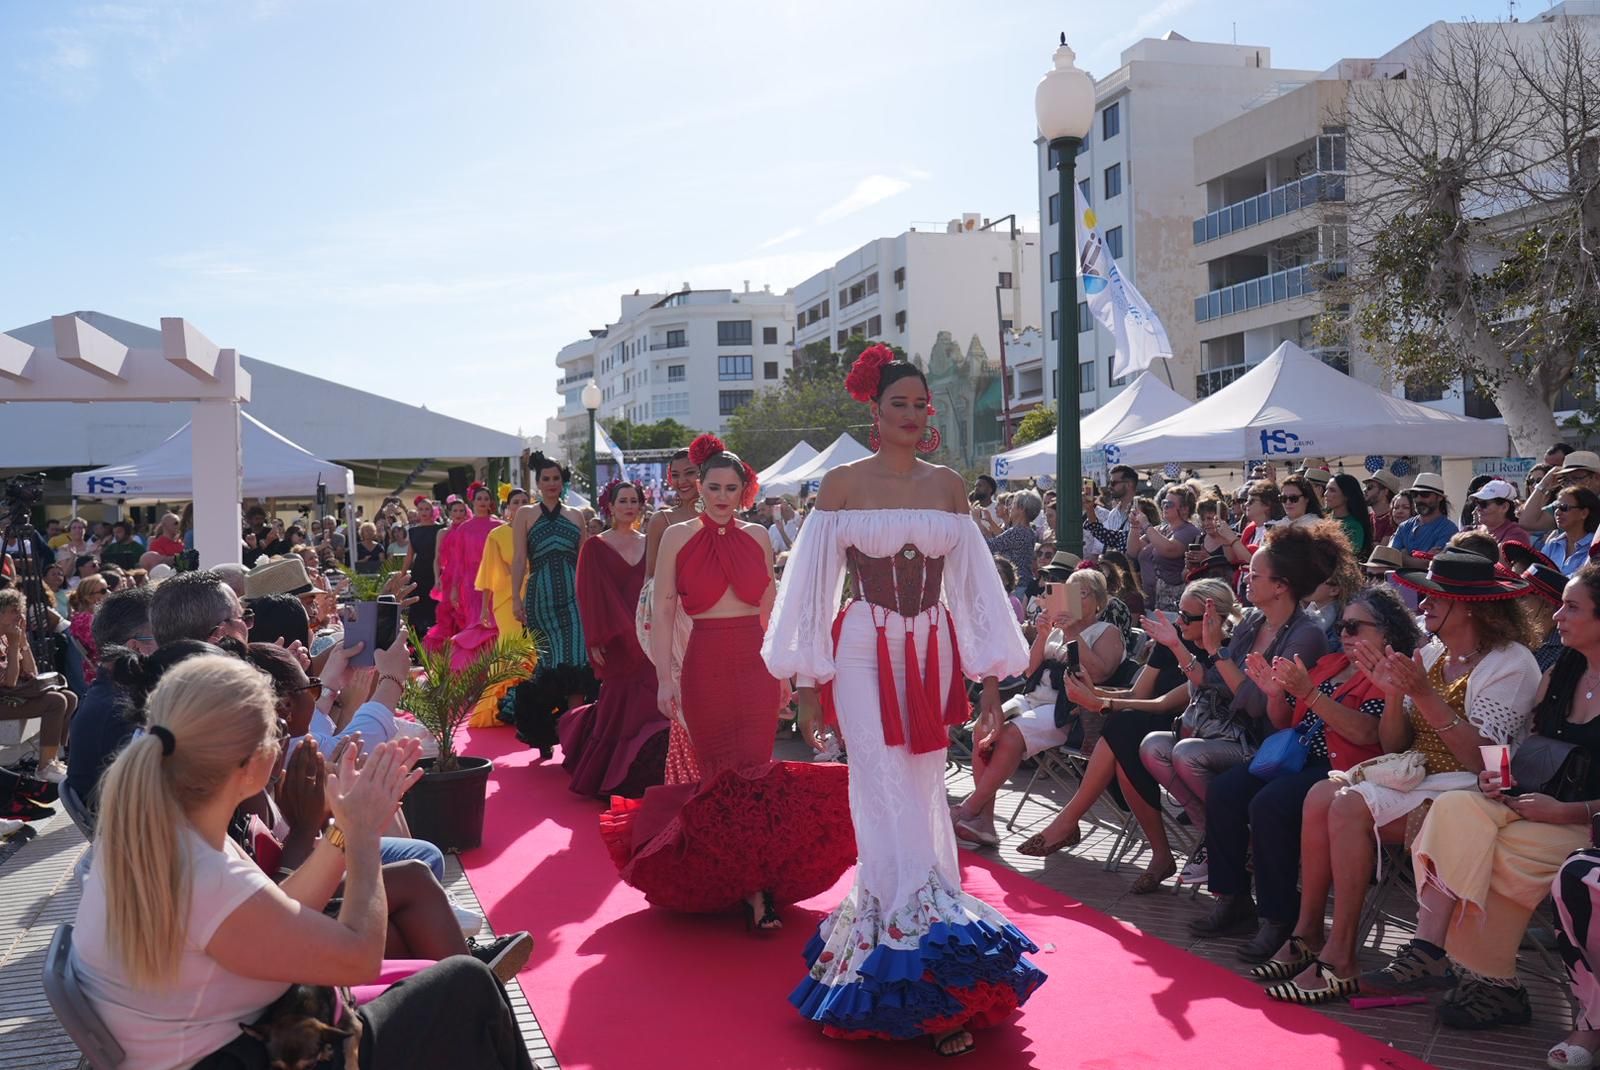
958	1048
1337	988
1151	879
769	921
1286	969
1037	846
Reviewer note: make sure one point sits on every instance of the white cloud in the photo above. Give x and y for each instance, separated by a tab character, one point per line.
788	235
869	191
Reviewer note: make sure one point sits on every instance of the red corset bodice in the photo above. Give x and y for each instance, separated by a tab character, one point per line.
715	558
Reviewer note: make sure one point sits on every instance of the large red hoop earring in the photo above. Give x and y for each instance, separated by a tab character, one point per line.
929	442
874	440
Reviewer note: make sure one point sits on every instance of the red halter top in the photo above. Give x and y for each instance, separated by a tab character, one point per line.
715	558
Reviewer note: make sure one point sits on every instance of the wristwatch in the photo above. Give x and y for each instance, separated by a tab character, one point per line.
335	836
1208	660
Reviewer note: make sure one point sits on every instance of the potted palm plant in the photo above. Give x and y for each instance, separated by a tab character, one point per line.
446	806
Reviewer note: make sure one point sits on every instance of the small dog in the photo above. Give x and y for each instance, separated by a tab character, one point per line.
298	1029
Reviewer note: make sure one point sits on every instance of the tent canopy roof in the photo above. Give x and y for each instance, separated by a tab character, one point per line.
1292	404
1144	401
798	454
273	467
841	450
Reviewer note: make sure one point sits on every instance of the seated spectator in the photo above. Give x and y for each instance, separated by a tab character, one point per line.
1378	491
1301	505
370	553
1159	693
55	585
76	545
167	543
197	605
1290	564
1327	603
1008	580
1122	581
1253	823
1017	541
1159	548
1343	500
102	723
21	696
1545	585
1485	858
1468	509
280	618
123	549
1262	509
1581	468
1042	717
233	574
1431	527
84	602
1402	507
399	541
1474	684
1577	515
82	567
1494	505
181	939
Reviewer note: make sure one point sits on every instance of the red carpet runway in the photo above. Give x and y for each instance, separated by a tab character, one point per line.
618	985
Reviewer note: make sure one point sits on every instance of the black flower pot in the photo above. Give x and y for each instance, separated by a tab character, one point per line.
446	809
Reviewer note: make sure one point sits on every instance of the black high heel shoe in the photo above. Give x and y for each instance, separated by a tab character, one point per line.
770	920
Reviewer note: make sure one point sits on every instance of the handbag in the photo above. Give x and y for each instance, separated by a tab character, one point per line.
1553	767
1402	771
1282	753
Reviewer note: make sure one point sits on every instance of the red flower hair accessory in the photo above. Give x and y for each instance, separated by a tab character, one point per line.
862	382
751	486
608	494
474	487
419	499
705	447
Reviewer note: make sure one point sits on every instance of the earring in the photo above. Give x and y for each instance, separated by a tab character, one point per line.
874	440
929	442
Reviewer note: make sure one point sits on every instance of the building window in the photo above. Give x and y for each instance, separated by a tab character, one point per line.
729	401
1113	181
1086	377
676	340
769	369
664	405
844	298
734	368
872	283
769	336
1055	266
1005	280
874	326
675	373
1111	122
825	311
900	322
900	278
858	292
1055	323
1112	378
1114	242
1086	188
733	332
1085	322
1054	208
841	338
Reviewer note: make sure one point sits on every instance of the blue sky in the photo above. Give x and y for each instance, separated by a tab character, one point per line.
428	200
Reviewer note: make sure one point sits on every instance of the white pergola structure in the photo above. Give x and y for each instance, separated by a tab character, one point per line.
80	363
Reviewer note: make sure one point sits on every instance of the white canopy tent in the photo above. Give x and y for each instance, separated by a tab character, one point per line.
1293	405
800	453
270	466
1143	402
841	450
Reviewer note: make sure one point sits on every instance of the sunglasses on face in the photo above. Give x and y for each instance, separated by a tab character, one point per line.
1191	618
1351	627
313	686
1566	508
1290	499
1423	495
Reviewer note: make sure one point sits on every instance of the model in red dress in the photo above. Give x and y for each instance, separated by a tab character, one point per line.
753	831
618	744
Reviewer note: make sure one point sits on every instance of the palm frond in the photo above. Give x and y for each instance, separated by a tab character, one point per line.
442	700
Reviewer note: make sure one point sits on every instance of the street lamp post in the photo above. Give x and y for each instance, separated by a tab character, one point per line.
1064	104
591	401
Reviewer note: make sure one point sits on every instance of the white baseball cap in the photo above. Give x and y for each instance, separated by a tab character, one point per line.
1495	490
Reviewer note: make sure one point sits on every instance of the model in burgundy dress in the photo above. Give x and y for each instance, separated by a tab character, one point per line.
618	744
751	827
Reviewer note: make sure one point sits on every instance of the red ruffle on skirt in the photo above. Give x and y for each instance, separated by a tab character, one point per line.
611	746
782	827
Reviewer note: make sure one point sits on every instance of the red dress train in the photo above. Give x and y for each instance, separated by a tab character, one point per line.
751	824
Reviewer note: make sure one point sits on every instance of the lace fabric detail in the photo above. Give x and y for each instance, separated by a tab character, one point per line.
1500	691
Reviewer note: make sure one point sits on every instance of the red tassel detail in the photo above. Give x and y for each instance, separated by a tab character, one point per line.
926	734
830	712
957	711
888	702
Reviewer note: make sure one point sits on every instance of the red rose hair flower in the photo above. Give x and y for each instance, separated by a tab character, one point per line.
751	485
862	382
705	447
473	488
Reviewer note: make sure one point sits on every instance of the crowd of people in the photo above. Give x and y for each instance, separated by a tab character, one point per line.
1317	673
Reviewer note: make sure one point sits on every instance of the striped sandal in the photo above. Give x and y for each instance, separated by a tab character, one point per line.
1337	988
1284	970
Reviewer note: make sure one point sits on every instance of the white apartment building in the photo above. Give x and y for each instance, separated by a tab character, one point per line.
1136	169
694	356
964	279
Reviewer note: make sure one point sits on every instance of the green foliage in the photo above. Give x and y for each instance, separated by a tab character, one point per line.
367	587
1039	423
442	700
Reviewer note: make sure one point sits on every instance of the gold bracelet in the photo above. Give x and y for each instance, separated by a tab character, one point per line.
335	836
1457	719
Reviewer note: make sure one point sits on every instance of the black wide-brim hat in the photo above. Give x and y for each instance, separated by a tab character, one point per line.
1461	576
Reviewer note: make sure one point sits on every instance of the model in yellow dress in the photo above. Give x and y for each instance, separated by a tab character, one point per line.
494	579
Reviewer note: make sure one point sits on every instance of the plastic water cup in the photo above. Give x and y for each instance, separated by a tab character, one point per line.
1496	759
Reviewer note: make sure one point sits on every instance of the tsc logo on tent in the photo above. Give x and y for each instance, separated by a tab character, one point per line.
107	485
1280	441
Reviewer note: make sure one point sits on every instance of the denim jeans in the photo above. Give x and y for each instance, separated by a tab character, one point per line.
400	849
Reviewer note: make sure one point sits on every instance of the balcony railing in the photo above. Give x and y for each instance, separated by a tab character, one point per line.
1279	201
668	345
1266	290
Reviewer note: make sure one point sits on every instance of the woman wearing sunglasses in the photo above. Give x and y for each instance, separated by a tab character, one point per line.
1301	507
1577	512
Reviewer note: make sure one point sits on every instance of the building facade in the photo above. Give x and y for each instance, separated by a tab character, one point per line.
695	356
1136	169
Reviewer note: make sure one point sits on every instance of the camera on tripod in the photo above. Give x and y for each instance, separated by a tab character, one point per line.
22	493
